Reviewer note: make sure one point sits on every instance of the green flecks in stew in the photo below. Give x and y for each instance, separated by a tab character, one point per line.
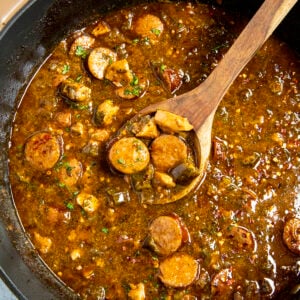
239	232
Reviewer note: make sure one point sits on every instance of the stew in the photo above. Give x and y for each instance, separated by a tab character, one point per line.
88	212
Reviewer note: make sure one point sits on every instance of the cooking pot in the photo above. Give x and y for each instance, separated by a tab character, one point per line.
25	42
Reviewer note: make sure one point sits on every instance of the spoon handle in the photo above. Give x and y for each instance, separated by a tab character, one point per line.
199	103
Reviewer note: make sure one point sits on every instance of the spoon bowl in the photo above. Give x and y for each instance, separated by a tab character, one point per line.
199	105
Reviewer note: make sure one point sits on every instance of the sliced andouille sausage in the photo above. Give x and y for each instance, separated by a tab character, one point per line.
240	237
222	284
70	172
43	150
82	42
179	270
105	113
168	151
100	29
165	235
170	122
99	59
291	235
75	91
149	26
119	73
129	155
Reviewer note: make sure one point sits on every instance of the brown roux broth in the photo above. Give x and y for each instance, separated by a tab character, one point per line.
253	184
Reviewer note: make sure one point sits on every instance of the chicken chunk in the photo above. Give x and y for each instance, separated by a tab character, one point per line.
145	128
149	26
119	73
170	122
168	151
100	29
105	113
88	202
137	291
43	150
129	155
99	59
179	270
163	179
75	91
42	243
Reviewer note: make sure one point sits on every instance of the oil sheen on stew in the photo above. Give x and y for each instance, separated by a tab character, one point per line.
236	237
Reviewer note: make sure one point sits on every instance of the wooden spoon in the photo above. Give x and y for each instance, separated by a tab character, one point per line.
200	104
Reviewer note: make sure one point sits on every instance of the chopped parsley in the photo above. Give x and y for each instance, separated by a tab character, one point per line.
105	230
135	41
70	205
121	161
66	69
78	78
135	81
155	31
81	52
163	67
135	91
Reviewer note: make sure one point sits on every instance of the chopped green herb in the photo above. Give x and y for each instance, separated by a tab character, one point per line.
70	205
121	161
135	41
75	193
135	81
81	52
163	67
61	184
156	31
83	106
134	91
78	78
66	69
105	230
146	40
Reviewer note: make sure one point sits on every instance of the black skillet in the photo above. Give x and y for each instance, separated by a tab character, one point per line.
24	43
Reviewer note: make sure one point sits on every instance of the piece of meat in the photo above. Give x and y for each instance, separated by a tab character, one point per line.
105	113
184	172
222	284
168	151
64	119
75	91
145	128
291	235
70	172
42	243
43	150
137	291
84	41
100	29
99	59
170	122
219	150
88	202
240	237
149	26
129	155
163	179
179	270
166	234
119	73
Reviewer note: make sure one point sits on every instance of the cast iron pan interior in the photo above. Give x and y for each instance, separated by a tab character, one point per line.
25	42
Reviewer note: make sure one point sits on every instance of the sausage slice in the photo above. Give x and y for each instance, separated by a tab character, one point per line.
149	26
291	235
129	155
179	270
99	59
166	235
168	151
42	150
